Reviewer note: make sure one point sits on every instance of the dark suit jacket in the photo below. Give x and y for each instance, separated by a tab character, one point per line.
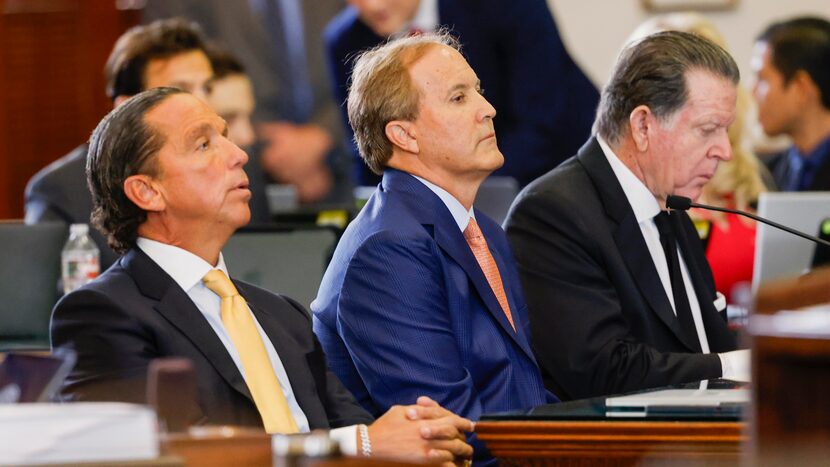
59	192
545	103
404	309
601	320
135	312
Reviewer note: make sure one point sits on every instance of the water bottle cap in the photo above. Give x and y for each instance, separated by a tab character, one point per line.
78	229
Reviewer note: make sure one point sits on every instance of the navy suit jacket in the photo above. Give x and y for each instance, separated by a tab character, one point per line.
135	312
404	309
602	322
545	104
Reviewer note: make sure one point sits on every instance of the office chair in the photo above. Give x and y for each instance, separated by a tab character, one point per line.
282	259
495	195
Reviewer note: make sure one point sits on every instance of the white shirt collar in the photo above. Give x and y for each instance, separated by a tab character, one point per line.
183	266
426	18
459	214
642	201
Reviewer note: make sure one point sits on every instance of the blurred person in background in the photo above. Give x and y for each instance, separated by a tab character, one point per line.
729	239
791	61
280	44
545	102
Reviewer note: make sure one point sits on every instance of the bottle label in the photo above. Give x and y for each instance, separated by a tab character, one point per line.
79	270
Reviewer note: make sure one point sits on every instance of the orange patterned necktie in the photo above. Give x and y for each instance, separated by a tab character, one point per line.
488	265
259	374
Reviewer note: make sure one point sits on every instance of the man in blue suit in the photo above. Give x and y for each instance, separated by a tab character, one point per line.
546	104
422	295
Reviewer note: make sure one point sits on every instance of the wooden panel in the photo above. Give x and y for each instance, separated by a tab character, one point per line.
791	373
613	443
51	83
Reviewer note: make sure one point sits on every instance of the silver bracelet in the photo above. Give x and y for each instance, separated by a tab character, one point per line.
365	442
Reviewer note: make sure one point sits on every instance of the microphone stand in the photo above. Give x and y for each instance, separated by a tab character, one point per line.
681	203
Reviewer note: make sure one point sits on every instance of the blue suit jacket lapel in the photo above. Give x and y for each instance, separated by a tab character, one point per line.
629	238
174	304
430	210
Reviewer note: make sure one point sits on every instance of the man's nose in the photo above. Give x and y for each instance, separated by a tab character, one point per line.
724	147
487	109
236	155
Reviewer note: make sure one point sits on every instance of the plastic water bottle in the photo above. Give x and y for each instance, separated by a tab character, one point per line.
79	259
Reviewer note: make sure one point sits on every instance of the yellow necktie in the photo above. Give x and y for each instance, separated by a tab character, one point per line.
259	374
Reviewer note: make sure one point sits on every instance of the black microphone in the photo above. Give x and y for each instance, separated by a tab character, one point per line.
682	203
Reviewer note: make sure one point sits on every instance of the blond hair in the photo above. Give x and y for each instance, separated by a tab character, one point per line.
381	91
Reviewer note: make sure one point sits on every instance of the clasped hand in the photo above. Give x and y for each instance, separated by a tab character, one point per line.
422	432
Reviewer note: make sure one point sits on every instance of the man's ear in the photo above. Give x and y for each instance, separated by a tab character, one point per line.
402	134
639	121
143	192
806	86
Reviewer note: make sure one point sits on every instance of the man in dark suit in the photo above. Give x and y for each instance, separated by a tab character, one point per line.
422	295
545	103
619	292
169	190
792	88
165	53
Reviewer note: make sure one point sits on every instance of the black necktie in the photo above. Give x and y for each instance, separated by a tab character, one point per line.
681	301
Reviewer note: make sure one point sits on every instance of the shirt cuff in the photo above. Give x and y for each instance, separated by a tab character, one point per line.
347	438
735	365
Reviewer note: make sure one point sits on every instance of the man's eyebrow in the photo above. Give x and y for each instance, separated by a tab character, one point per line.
183	85
462	86
200	130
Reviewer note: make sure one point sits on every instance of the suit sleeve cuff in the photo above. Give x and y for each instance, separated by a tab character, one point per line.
735	365
347	438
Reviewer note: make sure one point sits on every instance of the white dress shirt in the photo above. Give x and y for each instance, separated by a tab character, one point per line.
459	213
425	19
734	365
187	270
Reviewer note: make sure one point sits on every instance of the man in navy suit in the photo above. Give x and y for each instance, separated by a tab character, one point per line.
422	295
169	190
545	103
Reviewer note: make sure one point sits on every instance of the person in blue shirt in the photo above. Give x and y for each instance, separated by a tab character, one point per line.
792	65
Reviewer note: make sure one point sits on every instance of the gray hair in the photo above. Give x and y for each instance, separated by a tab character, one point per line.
652	72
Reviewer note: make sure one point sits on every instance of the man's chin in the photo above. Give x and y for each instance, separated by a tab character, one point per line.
692	194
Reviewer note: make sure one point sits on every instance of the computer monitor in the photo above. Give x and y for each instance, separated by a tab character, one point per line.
29	273
28	377
779	254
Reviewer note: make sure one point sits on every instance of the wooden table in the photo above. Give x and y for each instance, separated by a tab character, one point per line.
242	447
613	443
